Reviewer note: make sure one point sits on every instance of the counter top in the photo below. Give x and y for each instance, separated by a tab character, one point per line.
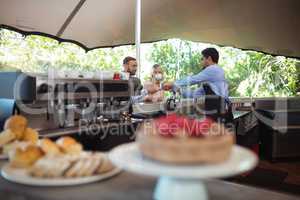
132	187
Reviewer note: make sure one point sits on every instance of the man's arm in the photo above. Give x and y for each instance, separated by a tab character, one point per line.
190	93
192	80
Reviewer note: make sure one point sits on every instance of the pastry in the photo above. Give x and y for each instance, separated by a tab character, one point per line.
30	135
71	166
16	124
6	137
23	158
87	163
49	147
95	162
50	166
69	145
106	164
74	170
180	140
10	147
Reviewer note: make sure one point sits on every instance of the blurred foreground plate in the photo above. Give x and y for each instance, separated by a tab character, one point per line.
129	157
20	176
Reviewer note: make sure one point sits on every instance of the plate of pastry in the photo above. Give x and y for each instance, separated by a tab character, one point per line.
16	133
63	170
50	163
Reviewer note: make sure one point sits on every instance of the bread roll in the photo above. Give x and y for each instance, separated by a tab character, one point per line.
30	135
49	147
95	163
16	124
50	166
23	158
106	165
6	137
10	147
69	145
75	169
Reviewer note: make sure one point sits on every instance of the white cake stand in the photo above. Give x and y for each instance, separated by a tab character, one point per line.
181	182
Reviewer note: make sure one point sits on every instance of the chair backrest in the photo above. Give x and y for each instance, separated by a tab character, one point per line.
207	89
7	107
212	101
215	106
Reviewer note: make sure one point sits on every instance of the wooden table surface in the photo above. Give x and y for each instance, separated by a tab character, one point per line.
129	187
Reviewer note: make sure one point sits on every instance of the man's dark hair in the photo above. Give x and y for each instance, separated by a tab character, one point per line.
155	66
212	52
128	59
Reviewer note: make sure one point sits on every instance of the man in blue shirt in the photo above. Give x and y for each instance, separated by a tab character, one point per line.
212	74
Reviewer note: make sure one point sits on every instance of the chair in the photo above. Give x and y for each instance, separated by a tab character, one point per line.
215	106
7	108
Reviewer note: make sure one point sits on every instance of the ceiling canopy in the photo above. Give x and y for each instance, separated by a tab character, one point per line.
271	26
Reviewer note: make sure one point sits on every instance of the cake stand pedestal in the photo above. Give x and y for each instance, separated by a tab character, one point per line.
181	182
178	189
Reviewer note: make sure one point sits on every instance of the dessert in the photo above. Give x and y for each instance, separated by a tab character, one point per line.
106	164
49	147
181	140
17	124
69	145
30	135
25	157
6	137
10	147
16	133
49	166
63	158
70	166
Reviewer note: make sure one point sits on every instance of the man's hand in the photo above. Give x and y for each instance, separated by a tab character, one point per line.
148	98
168	85
151	88
158	96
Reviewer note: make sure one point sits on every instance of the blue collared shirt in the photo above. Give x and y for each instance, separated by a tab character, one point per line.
213	75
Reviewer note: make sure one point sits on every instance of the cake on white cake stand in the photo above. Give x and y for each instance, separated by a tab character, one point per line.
179	182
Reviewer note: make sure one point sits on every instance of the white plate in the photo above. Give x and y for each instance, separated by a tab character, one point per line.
129	157
20	176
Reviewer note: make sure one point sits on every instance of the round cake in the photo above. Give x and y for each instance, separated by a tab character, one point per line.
179	140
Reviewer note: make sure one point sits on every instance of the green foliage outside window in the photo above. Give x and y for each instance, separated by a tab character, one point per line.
249	73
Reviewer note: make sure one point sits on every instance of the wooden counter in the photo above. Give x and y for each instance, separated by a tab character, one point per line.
129	186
